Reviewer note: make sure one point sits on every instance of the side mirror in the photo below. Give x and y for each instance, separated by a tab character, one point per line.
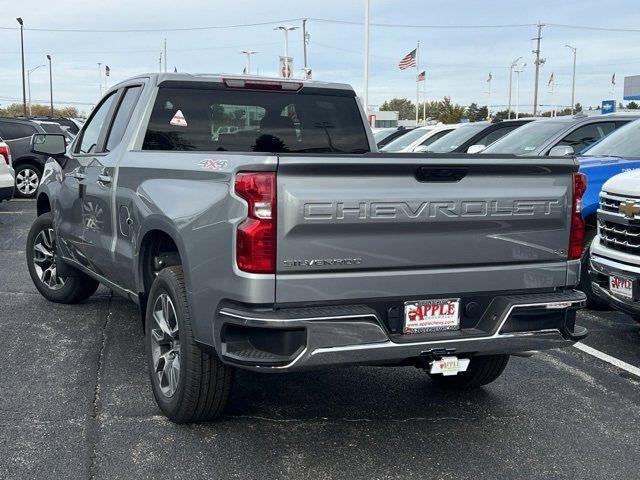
476	148
51	144
561	151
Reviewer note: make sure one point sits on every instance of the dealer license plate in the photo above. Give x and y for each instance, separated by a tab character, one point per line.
438	315
621	286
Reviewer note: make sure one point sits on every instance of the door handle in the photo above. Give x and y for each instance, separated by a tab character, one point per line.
102	178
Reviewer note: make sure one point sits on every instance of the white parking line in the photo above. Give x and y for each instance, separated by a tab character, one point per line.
627	367
11	213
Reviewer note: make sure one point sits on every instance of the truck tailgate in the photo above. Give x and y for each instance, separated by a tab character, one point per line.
367	225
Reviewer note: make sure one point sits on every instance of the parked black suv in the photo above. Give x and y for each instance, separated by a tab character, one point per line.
28	166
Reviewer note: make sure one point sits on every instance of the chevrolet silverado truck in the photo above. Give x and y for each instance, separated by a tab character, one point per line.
615	251
288	243
617	152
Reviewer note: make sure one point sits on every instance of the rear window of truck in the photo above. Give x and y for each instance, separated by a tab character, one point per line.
190	119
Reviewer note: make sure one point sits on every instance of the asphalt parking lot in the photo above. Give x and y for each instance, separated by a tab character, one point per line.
75	403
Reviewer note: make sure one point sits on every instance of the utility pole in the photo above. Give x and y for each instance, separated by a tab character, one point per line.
50	84
513	64
367	5
24	90
538	61
573	82
248	53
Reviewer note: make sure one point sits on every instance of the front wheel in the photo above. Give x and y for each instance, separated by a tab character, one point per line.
481	371
189	384
42	261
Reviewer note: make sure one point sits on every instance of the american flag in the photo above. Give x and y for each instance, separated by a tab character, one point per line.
489	78
107	70
613	79
421	76
550	80
409	60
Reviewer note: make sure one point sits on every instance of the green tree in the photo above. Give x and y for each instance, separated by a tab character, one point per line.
450	112
15	109
633	105
406	108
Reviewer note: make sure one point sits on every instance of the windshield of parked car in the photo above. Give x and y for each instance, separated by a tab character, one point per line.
406	139
453	140
238	120
527	139
382	134
624	142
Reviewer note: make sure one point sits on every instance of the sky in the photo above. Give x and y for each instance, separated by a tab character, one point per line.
457	60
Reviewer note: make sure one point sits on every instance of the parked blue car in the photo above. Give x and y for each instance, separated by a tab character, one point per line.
615	153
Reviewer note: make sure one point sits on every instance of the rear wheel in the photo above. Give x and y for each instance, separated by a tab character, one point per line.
27	180
189	384
481	371
43	261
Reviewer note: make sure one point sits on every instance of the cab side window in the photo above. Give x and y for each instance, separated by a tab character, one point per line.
91	132
584	136
121	120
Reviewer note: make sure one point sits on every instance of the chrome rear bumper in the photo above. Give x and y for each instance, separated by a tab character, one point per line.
356	335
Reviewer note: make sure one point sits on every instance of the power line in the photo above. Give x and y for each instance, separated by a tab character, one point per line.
589	27
402	25
148	30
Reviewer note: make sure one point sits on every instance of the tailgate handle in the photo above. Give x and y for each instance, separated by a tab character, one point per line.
440	174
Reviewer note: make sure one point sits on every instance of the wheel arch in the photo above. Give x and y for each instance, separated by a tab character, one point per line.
43	204
158	240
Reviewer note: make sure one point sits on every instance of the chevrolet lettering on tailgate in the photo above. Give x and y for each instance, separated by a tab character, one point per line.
414	210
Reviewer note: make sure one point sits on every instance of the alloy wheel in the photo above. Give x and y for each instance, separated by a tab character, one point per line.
44	259
27	181
165	348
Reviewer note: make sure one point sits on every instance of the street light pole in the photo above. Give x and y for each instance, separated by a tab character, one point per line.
286	29
248	53
367	5
50	84
573	82
29	72
24	92
513	64
518	69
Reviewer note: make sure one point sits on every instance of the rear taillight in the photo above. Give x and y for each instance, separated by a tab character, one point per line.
576	237
5	151
256	236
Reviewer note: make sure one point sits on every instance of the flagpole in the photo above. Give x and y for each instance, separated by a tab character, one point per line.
417	82
424	99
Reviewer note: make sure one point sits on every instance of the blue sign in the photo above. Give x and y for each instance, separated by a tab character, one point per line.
608	106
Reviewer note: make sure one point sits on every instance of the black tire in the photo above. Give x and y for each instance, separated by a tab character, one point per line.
202	389
481	371
593	301
21	172
75	288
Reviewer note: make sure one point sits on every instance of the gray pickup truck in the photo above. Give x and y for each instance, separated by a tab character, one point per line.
255	226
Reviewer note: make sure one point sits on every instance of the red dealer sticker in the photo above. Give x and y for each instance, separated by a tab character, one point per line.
431	315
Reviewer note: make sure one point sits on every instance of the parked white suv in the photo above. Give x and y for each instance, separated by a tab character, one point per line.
615	251
7	176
